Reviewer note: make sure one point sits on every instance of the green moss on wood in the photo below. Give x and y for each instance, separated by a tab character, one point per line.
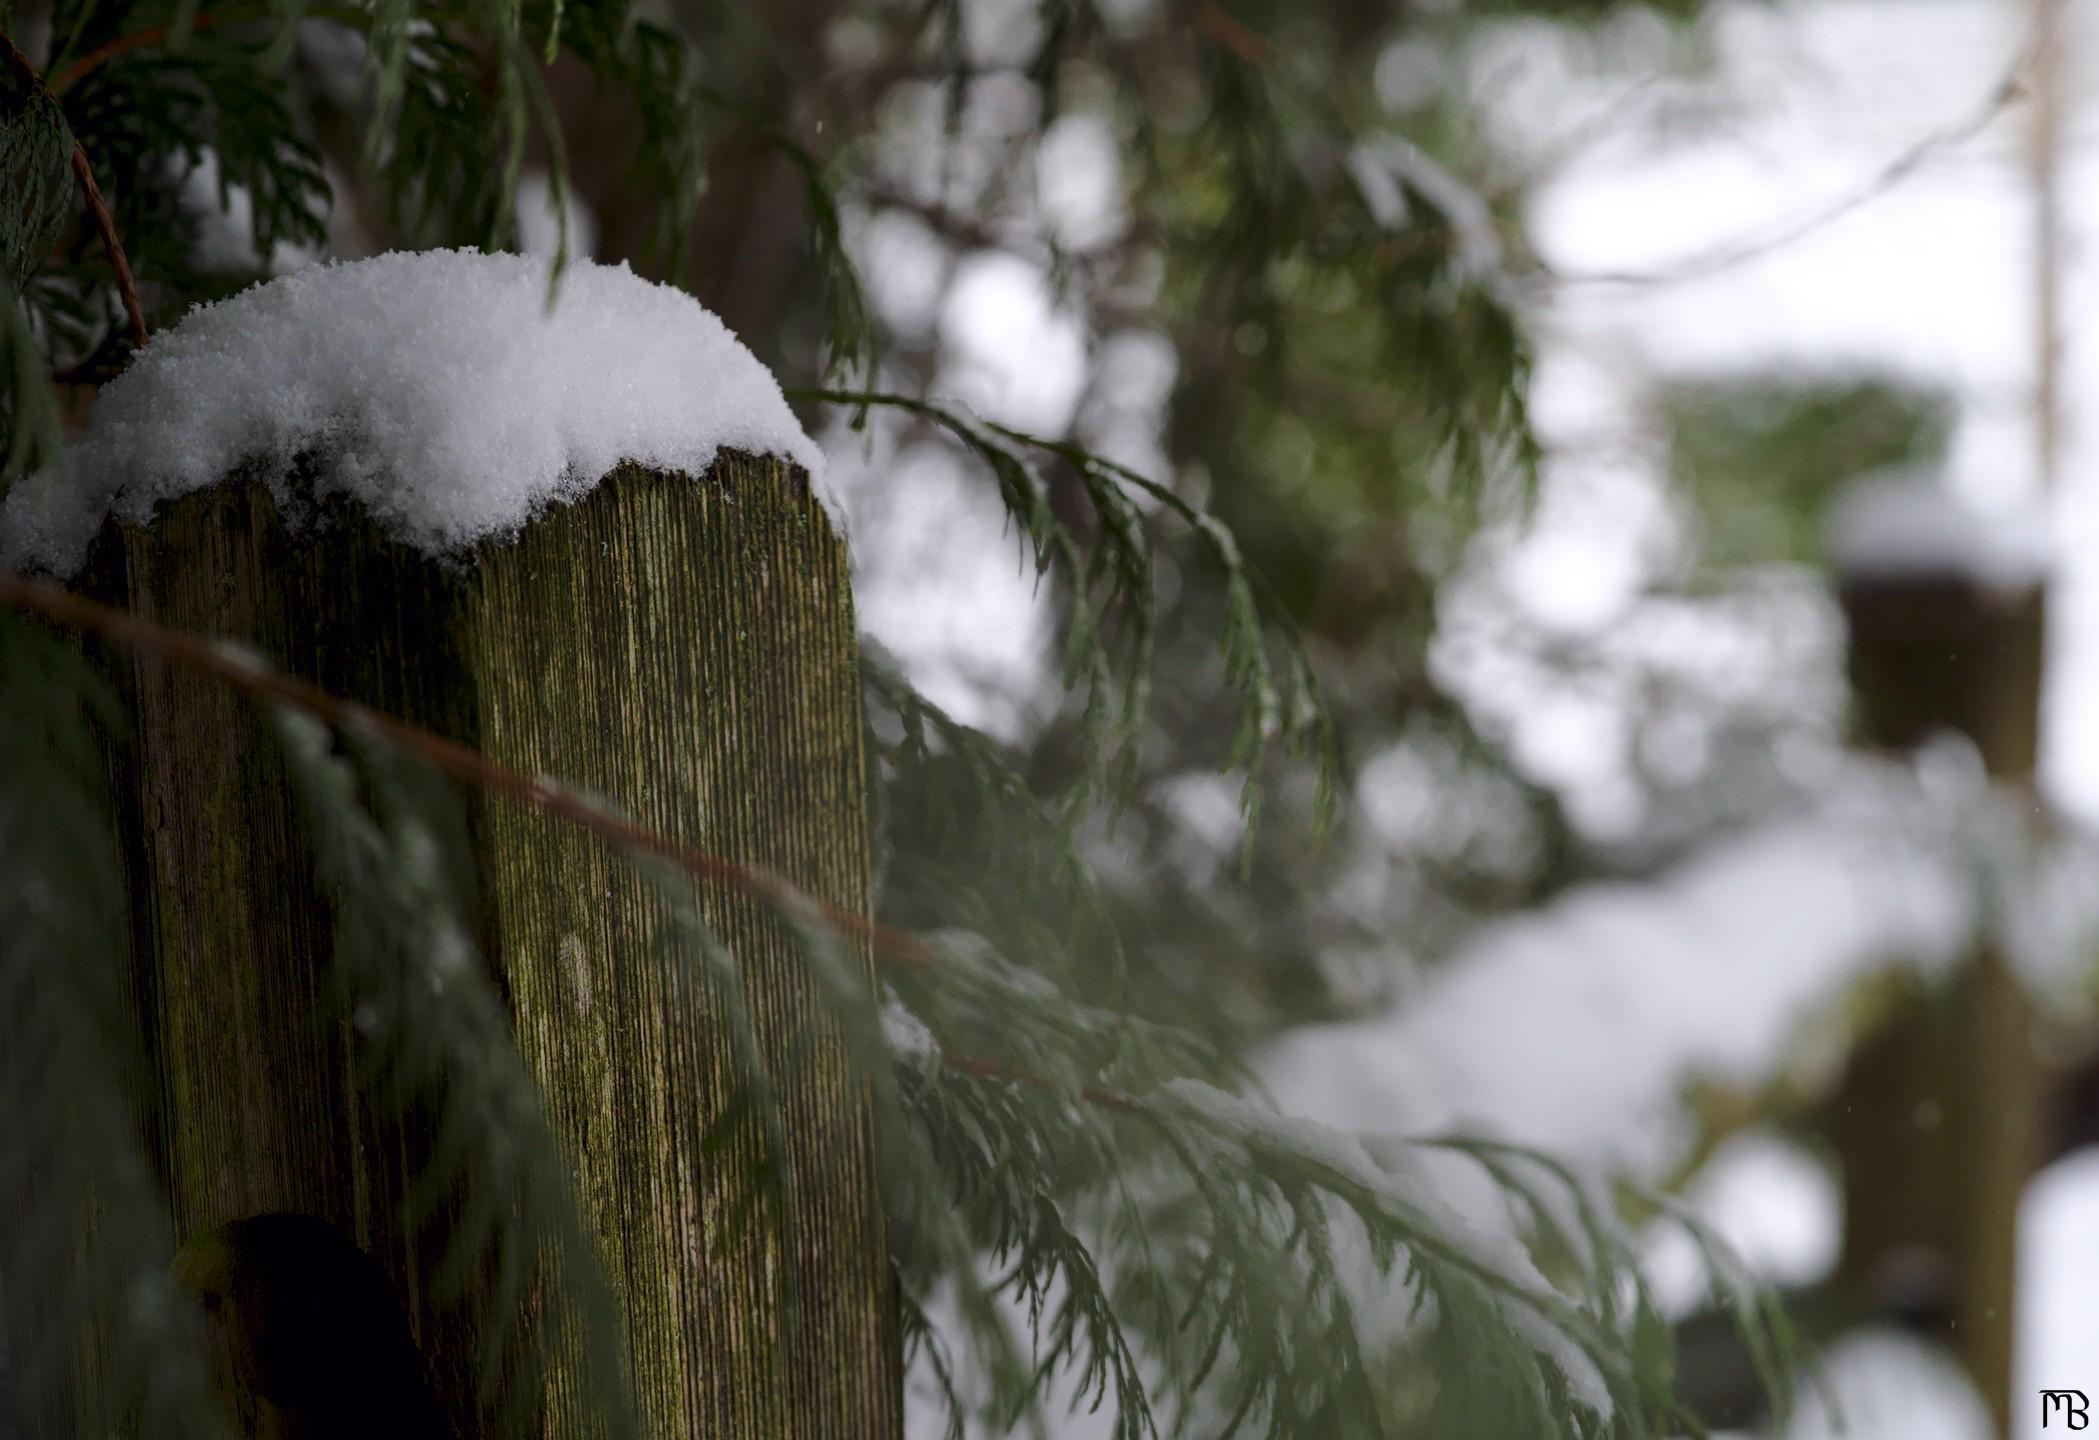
683	648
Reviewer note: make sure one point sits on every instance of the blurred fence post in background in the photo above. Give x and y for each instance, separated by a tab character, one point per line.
1948	1094
1936	1122
686	649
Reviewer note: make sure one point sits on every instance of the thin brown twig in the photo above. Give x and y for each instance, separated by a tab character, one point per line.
253	678
1734	253
95	59
983	1069
21	62
112	246
1249	46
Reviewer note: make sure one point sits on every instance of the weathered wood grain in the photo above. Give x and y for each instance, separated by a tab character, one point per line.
684	648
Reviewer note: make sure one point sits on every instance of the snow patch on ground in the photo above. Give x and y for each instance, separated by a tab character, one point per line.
1884	1385
2057	1335
1776	1206
1576	1028
438	388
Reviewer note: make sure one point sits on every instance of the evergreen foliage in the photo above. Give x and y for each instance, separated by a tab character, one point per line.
84	1233
1172	1254
1763	457
1195	1260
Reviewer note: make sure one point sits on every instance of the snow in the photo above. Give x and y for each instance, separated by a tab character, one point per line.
1067	1408
1892	1387
1478	244
1576	1028
1774	1204
1885	1385
1404	1185
2058	1314
437	388
1409	1183
907	1036
1909	526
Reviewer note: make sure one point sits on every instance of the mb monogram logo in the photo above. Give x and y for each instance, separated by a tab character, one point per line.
2068	1405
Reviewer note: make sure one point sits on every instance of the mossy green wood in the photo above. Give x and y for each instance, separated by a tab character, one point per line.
683	648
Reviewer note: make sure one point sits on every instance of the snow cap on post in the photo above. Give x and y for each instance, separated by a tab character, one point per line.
673	629
440	389
1908	526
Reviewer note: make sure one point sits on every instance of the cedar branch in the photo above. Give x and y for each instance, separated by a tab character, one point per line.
98	209
253	677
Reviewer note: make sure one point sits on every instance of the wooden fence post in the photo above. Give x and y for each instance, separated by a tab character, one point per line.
1935	1125
685	648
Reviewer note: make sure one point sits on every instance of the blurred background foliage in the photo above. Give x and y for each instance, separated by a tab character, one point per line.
1762	457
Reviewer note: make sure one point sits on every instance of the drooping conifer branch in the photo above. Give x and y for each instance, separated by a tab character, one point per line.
98	208
255	678
1278	706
